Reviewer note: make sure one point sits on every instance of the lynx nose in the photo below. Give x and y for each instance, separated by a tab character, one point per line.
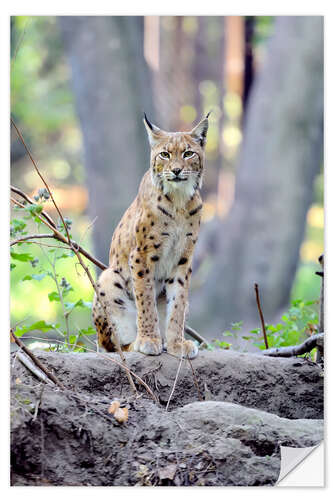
176	171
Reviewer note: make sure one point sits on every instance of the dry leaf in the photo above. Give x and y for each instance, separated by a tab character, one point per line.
18	381
114	407
121	415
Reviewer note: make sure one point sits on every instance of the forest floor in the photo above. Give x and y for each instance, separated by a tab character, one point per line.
223	425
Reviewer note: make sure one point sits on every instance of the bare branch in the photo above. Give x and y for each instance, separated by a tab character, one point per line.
296	350
51	225
195	335
31	237
256	288
42	178
27	362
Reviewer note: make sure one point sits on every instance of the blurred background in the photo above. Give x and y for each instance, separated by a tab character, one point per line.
79	86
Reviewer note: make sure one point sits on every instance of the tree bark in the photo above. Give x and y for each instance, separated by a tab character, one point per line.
112	88
280	156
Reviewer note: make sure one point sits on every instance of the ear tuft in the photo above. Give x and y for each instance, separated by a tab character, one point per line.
154	133
199	133
147	121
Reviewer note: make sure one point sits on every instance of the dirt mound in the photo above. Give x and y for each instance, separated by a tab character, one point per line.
214	433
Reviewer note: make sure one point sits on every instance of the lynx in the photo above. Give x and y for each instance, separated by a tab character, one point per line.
145	288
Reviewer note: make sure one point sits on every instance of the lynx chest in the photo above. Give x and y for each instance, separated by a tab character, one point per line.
172	250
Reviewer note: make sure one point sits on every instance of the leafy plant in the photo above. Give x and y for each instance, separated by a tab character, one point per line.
300	320
47	267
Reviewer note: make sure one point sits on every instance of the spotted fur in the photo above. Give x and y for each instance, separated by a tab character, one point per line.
145	288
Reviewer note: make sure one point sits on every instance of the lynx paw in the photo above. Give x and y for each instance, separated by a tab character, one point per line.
147	345
189	350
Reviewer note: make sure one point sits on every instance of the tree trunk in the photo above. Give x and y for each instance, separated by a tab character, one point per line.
281	154
112	88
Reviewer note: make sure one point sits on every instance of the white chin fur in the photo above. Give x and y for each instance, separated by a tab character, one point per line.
182	190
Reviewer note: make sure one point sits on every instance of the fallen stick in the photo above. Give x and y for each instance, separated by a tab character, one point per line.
296	350
33	368
195	335
36	360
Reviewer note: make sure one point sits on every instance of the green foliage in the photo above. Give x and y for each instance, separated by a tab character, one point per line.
39	325
301	317
51	280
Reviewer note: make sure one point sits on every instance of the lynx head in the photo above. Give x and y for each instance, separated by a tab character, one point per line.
177	158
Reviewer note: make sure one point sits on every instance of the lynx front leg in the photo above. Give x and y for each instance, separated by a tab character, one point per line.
177	293
148	340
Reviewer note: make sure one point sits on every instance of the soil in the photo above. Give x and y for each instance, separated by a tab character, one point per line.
227	417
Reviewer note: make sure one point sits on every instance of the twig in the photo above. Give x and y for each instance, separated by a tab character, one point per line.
321	327
45	245
296	350
36	360
31	237
256	288
175	382
57	235
42	178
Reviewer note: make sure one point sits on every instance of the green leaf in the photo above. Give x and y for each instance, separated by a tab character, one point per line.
22	257
37	277
39	325
88	331
72	339
54	297
12	266
79	303
16	226
256	330
34	209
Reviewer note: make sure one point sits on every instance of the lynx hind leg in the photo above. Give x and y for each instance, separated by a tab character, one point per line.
103	328
118	313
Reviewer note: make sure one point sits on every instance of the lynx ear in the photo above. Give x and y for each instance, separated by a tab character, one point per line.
199	133
155	134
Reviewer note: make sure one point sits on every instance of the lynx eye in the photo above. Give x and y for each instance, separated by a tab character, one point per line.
164	154
188	154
